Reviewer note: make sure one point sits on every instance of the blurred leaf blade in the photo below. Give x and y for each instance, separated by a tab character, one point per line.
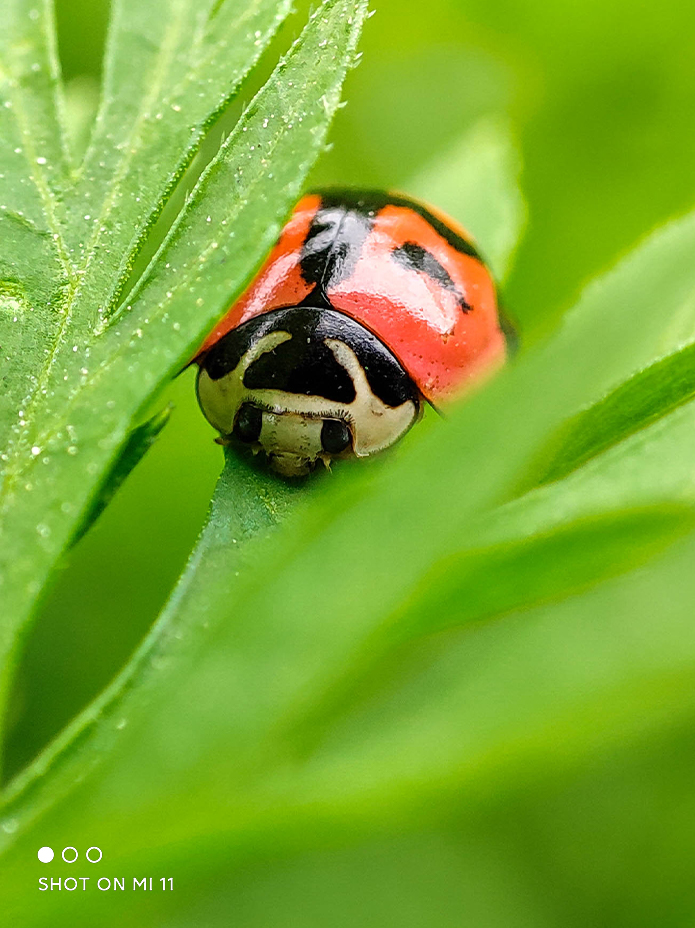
599	668
246	505
472	726
136	446
484	585
637	360
603	520
647	396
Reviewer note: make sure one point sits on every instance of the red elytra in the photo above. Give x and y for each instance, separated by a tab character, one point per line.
407	273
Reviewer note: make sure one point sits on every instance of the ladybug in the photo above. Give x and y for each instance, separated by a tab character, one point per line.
369	305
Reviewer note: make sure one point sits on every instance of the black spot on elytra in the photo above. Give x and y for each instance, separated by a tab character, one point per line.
416	258
333	246
367	203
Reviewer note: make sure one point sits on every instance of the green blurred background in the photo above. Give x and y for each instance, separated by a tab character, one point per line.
601	96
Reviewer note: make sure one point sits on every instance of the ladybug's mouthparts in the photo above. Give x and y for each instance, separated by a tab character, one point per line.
289	464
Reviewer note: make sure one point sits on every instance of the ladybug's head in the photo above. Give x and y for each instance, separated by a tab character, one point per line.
306	384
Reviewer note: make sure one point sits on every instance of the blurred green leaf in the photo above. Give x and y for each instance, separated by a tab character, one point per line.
606	518
138	443
247	504
642	317
539	568
645	397
103	369
341	688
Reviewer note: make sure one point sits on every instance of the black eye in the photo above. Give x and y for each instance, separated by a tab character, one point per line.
248	423
335	436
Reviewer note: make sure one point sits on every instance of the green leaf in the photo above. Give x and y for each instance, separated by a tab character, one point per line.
478	180
652	326
34	266
170	69
489	582
99	377
246	505
604	519
292	639
644	398
136	446
436	730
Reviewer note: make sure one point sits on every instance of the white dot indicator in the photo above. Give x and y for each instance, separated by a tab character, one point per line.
45	855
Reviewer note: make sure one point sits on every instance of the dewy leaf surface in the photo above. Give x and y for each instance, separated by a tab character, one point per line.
97	381
140	440
34	266
170	69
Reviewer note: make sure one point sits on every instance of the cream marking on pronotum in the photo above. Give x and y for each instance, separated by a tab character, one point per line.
292	422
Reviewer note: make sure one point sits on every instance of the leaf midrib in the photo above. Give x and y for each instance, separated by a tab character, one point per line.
39	178
75	273
37	173
123	346
167	48
109	316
